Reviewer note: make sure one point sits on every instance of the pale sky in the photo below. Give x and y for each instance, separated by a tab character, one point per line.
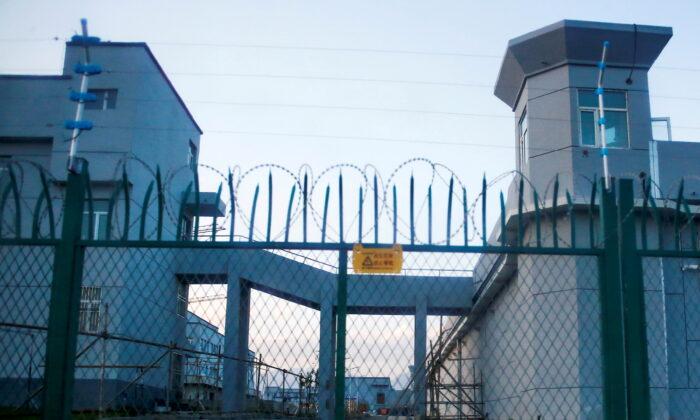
360	82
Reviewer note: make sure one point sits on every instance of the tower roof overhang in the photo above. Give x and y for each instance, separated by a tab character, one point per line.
576	42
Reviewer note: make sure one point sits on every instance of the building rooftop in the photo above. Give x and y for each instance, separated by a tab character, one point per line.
577	42
157	64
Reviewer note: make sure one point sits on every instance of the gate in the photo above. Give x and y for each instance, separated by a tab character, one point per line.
141	308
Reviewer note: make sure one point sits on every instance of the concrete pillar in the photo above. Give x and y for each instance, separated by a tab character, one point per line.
326	355
235	381
419	345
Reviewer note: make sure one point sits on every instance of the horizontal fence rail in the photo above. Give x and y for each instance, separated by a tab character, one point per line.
162	295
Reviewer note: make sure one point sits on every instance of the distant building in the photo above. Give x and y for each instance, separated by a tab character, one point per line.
203	380
367	393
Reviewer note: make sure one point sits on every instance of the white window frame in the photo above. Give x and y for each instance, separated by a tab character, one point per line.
90	309
104	98
98	216
596	117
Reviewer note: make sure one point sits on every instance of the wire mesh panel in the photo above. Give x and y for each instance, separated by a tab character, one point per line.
394	321
530	347
672	306
206	330
25	292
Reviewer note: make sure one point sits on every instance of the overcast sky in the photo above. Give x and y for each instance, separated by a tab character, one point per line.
288	85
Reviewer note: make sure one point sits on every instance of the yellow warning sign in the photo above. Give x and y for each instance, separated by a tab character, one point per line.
377	260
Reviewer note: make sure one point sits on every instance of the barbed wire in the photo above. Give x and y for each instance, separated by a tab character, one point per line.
438	174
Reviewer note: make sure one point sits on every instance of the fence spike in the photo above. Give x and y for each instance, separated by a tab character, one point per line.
161	204
689	217
657	220
538	224
503	220
483	211
340	208
449	211
144	211
465	210
572	218
376	211
645	210
430	214
35	217
195	234
521	187
411	211
676	217
110	208
214	219
305	194
359	218
555	198
91	204
45	196
325	214
289	213
269	207
232	211
15	196
251	228
181	212
127	205
3	200
591	222
395	212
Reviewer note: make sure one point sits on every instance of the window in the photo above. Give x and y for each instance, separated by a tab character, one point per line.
192	156
176	370
181	298
523	140
616	134
106	99
187	227
90	300
99	223
380	398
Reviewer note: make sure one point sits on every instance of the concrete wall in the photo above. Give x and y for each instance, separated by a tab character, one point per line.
537	344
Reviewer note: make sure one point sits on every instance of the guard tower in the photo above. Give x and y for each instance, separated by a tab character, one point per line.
548	78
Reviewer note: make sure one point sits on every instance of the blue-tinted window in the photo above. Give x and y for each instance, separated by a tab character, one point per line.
616	128
587	98
616	132
588	128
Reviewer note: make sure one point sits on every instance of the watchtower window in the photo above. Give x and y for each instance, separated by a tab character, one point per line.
106	99
615	108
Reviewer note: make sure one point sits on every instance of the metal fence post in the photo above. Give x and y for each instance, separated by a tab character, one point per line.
341	313
613	349
65	302
635	319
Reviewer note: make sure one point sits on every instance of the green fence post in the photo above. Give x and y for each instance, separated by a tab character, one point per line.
635	320
613	350
65	302
341	314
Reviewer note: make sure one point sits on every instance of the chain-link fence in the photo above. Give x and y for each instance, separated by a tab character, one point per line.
25	292
511	328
